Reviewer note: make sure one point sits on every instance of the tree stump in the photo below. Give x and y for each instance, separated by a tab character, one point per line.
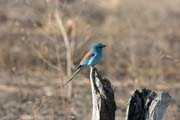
103	102
147	105
143	105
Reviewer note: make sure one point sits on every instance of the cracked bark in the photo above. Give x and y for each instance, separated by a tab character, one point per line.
147	105
103	101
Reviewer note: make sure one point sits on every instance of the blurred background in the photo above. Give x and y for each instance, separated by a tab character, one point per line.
42	42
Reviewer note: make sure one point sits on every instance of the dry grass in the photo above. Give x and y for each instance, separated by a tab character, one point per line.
143	51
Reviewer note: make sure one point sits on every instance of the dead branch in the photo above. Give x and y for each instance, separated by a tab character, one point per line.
147	105
68	51
103	102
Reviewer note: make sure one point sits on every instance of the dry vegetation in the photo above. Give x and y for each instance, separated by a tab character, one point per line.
143	39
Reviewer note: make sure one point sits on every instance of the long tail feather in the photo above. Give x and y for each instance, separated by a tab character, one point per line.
74	75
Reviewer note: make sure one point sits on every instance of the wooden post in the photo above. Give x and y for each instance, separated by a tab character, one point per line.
147	105
103	102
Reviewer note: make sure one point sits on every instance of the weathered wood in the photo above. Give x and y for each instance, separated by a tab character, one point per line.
103	102
147	105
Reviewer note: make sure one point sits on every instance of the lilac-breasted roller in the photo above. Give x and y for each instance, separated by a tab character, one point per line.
91	58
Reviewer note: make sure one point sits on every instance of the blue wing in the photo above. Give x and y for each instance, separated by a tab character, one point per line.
86	58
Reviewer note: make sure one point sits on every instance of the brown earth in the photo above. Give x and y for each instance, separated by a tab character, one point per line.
143	44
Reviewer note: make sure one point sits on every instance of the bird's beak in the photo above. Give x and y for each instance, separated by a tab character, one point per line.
103	46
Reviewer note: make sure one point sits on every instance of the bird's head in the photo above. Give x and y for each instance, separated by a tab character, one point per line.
98	46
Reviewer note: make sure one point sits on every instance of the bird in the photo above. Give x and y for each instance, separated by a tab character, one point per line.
91	58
